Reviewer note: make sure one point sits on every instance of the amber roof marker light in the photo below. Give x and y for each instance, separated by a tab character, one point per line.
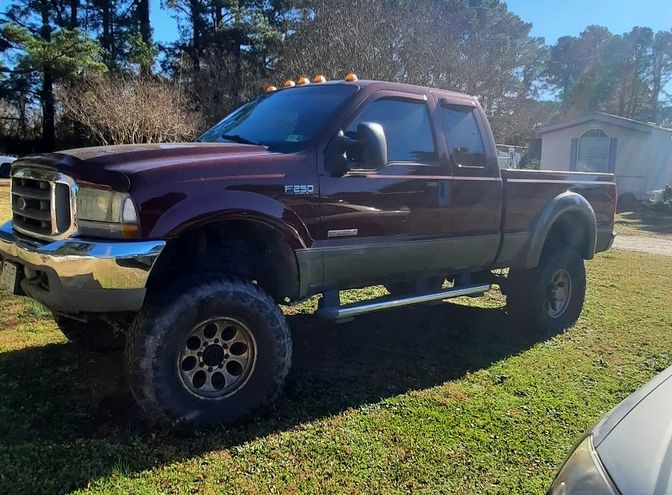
289	84
351	77
303	81
319	79
270	89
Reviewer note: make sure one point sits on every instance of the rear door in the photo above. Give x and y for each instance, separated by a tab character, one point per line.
473	202
388	223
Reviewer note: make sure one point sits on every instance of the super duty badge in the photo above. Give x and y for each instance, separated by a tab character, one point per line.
300	189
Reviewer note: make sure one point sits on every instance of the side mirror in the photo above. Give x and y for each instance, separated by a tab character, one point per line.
373	145
367	148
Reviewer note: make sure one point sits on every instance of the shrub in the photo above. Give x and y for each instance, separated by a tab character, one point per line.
121	110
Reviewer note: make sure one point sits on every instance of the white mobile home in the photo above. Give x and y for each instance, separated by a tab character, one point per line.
638	153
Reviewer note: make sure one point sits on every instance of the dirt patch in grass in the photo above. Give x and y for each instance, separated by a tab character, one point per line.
646	222
5	211
440	399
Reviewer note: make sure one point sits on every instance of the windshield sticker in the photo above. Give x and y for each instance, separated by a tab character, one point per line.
294	138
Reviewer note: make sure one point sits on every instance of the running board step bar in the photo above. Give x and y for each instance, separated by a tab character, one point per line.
334	312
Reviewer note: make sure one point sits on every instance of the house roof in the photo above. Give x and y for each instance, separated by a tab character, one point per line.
607	119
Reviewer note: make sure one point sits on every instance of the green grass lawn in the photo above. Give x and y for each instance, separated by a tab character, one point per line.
432	399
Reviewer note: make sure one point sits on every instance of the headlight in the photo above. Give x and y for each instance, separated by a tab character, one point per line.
582	473
104	213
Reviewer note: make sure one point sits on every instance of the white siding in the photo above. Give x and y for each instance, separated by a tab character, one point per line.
643	159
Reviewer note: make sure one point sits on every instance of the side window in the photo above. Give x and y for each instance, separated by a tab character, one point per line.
464	136
407	129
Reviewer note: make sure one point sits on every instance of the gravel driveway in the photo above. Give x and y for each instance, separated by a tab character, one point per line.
644	244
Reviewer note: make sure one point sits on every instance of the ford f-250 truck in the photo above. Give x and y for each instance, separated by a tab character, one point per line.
182	252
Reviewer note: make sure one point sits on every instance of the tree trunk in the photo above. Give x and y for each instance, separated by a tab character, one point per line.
195	12
655	91
106	10
142	9
47	92
48	117
237	82
74	12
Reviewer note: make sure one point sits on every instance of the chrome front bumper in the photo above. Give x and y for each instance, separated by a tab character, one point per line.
77	275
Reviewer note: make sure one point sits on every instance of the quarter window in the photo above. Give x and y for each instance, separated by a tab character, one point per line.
464	136
407	129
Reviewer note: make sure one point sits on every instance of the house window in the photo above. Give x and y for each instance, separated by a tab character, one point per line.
593	151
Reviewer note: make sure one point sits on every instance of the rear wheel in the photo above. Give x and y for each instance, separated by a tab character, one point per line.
548	298
208	350
95	335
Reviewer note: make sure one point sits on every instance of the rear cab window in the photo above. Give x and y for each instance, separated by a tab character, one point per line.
463	134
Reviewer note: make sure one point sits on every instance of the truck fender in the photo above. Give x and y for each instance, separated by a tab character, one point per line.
563	204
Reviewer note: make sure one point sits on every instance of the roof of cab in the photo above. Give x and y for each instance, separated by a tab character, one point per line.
391	86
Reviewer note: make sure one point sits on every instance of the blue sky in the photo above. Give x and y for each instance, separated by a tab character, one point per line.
554	18
550	18
165	27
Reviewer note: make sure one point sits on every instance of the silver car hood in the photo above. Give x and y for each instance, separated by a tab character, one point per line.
634	441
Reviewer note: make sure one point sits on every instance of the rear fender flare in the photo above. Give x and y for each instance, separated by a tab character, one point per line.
565	203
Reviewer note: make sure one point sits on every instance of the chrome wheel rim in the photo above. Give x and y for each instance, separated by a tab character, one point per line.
558	293
217	358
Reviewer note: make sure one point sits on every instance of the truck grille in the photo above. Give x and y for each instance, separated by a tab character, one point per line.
43	203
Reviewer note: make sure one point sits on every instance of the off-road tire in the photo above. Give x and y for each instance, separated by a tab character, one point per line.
95	336
528	293
158	335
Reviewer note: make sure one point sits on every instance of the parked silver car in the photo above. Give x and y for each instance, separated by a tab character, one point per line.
629	451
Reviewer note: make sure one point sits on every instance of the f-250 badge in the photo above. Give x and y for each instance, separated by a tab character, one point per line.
300	189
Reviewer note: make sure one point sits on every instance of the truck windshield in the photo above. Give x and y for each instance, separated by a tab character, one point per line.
282	120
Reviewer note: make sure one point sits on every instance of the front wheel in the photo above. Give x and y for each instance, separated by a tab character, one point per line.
548	298
208	350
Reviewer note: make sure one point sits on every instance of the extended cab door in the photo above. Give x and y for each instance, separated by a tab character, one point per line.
387	224
474	200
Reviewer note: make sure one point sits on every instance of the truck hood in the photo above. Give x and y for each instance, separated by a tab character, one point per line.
634	441
123	166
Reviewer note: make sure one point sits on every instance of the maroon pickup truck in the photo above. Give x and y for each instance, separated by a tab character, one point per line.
182	252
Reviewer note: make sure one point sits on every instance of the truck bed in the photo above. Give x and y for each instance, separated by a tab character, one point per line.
527	193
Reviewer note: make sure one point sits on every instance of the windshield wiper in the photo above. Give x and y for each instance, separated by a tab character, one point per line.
236	138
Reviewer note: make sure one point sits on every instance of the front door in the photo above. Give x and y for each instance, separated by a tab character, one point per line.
389	223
